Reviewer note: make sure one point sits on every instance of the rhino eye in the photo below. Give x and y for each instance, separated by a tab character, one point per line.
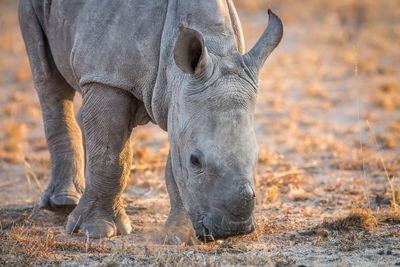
195	161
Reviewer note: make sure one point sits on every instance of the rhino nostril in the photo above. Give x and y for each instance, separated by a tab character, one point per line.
247	192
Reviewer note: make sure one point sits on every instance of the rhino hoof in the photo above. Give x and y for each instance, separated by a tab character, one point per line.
98	224
99	229
60	203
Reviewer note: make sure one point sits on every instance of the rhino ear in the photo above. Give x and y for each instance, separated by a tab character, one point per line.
190	52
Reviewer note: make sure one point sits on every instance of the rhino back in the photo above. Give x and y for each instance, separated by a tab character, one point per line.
129	44
116	43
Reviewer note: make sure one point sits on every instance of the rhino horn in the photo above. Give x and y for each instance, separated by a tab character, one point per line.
266	44
190	52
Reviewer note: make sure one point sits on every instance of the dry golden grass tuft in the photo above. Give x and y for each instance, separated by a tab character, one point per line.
362	219
387	139
12	138
388	96
264	157
21	103
299	194
282	179
272	193
395	127
391	215
359	218
316	89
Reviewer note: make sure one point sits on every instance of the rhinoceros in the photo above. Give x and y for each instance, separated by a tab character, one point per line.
180	64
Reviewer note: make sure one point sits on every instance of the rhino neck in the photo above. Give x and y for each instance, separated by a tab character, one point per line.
217	21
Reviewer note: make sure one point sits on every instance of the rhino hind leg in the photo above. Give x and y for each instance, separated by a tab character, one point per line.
63	134
107	123
178	228
64	140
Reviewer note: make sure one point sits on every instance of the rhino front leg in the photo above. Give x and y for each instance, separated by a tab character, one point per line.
178	229
106	116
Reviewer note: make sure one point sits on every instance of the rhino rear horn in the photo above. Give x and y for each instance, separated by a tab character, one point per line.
190	52
270	39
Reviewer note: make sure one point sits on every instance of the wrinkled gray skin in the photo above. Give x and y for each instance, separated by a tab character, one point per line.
179	64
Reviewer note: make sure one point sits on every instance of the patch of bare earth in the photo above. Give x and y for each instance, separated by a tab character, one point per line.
328	128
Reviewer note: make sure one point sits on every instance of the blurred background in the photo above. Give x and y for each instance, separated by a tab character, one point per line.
327	118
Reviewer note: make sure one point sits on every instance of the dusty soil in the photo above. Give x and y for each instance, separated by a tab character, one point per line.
328	129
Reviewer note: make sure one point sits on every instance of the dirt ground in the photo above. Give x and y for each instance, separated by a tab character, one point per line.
328	129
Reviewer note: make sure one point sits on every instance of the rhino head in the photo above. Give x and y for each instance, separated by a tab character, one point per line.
210	125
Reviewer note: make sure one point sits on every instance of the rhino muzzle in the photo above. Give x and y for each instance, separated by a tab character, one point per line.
216	224
233	217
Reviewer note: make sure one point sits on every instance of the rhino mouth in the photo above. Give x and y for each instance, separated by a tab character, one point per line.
214	225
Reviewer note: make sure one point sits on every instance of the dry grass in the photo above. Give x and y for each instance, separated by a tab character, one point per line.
13	136
24	240
27	245
327	183
272	193
391	215
388	95
299	194
359	218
